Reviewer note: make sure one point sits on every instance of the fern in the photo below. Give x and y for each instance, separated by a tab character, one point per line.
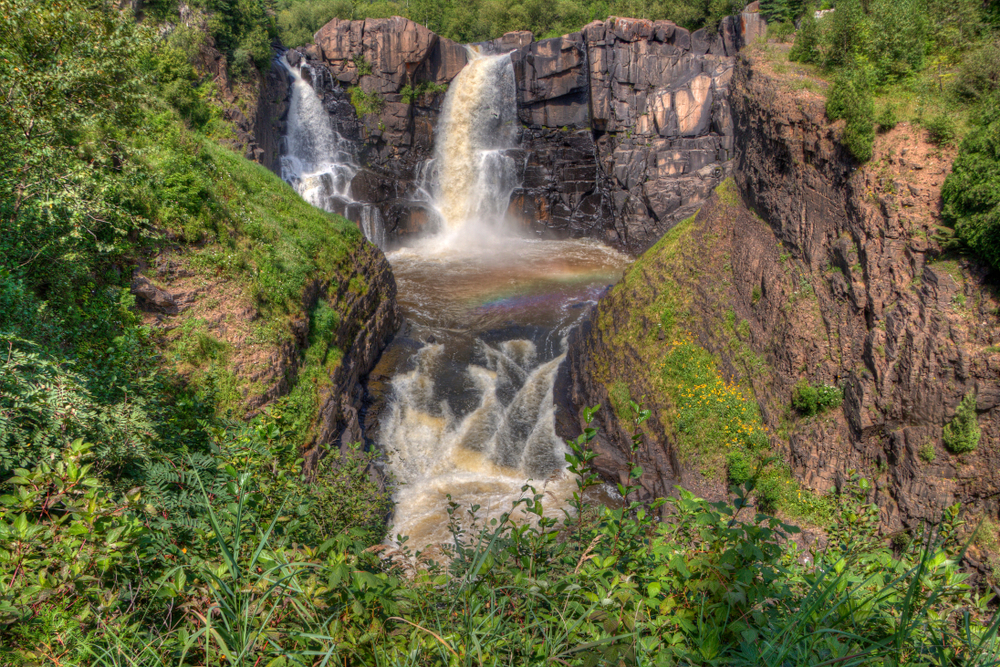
45	404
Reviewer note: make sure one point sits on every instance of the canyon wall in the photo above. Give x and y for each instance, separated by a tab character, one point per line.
626	127
813	267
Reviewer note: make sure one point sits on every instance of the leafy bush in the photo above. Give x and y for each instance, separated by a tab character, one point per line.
411	94
850	98
962	433
347	496
813	399
979	74
65	549
780	31
940	128
782	11
887	117
366	103
971	192
42	404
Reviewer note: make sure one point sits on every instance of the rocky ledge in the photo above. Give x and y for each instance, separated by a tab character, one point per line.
626	125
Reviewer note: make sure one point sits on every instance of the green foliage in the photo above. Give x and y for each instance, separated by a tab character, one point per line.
363	66
479	20
713	584
65	548
850	98
940	128
806	48
366	103
971	192
962	433
887	117
927	453
813	399
299	20
346	497
781	31
782	11
979	74
43	403
411	94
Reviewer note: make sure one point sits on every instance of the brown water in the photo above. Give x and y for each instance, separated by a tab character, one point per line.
471	412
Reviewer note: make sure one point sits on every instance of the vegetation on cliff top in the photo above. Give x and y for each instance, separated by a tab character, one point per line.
480	20
931	62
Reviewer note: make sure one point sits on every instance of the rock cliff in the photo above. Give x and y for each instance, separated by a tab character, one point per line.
626	127
831	273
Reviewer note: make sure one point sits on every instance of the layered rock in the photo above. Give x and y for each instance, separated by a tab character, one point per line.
626	124
834	270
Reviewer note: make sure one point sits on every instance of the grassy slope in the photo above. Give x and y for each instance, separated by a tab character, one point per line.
710	414
246	255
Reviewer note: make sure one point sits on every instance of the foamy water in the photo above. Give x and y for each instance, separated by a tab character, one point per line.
472	414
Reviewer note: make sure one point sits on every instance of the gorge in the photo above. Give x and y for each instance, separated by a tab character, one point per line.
616	134
302	346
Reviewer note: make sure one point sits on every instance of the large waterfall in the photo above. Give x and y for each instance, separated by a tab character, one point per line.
470	414
319	163
472	176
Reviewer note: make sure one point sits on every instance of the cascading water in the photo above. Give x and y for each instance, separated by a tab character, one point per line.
472	176
319	163
470	413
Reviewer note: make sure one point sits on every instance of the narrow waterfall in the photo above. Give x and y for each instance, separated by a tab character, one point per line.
472	174
318	162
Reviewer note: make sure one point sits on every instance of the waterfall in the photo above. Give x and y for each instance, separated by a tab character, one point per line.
470	416
472	176
318	162
483	458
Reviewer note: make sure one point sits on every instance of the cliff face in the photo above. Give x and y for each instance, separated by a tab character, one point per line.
831	274
626	125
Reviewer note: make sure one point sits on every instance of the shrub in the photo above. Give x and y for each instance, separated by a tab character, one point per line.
850	98
971	193
927	453
739	467
363	66
805	49
887	117
65	548
962	433
366	103
979	74
411	94
813	399
781	31
940	128
347	496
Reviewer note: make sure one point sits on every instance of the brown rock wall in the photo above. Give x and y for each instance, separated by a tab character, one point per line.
834	269
626	124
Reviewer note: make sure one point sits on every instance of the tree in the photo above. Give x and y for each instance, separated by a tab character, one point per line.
850	98
971	193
